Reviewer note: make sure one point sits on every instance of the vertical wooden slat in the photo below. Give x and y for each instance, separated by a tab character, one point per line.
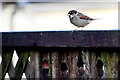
40	65
104	59
110	57
75	64
59	73
72	62
32	58
77	68
110	61
86	61
109	65
34	65
93	65
69	64
54	64
115	65
50	64
6	59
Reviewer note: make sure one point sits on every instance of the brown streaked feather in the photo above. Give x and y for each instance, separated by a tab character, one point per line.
86	17
82	16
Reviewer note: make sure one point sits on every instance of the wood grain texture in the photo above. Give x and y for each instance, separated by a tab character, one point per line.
62	39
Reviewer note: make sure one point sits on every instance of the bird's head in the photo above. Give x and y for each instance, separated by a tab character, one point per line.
71	12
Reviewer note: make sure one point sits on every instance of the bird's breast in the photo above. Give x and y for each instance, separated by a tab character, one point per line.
79	22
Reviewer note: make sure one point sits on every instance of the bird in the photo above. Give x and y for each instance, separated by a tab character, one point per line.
79	19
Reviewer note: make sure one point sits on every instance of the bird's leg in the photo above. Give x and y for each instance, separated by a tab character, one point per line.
75	29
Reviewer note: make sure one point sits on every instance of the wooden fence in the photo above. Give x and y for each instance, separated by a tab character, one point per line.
62	54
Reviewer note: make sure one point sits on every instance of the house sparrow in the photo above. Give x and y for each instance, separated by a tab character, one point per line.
79	19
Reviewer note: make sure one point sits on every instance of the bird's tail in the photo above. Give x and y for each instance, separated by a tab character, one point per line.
97	19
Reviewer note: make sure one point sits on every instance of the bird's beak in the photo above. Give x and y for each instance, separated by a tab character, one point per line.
68	14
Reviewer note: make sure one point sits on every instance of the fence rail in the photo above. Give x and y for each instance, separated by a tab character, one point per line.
62	54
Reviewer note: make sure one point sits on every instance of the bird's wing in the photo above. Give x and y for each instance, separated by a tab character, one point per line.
82	16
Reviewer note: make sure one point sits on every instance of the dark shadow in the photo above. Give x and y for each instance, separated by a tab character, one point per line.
81	71
119	69
99	67
64	69
80	62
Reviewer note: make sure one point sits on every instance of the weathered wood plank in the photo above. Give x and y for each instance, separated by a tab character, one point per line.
32	58
86	56
62	39
92	68
110	64
34	65
72	65
50	65
54	65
